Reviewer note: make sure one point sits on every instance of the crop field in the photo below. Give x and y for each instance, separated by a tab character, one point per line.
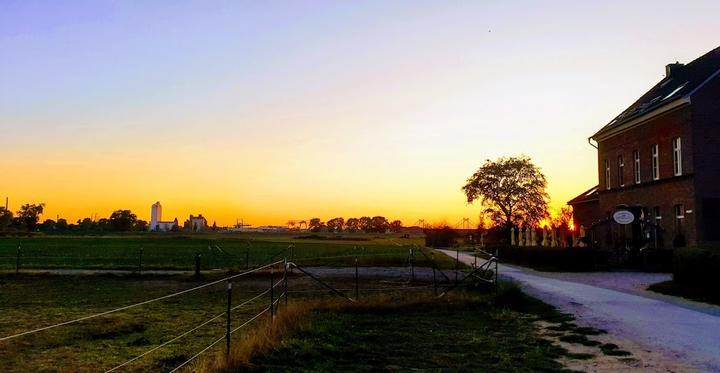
216	251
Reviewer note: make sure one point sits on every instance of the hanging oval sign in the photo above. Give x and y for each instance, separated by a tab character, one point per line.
623	217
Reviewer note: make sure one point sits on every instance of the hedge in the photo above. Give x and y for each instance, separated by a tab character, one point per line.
573	259
699	267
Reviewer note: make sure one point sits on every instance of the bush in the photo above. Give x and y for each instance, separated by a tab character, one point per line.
574	259
440	237
693	266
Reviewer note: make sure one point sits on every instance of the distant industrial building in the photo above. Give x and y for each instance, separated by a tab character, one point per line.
195	223
156	223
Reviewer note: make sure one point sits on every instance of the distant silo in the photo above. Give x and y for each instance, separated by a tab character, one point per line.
155	215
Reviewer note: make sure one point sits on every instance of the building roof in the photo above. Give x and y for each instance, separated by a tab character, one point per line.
681	81
589	195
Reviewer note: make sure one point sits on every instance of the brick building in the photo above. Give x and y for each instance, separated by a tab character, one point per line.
660	160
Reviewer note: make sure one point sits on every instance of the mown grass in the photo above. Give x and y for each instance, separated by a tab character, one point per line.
32	301
217	251
468	331
28	302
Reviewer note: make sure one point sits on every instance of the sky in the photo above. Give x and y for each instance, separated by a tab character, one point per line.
269	111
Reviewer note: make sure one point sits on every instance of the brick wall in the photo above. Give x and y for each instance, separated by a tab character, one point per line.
706	132
665	193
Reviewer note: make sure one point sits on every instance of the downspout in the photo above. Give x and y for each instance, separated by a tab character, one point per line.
590	142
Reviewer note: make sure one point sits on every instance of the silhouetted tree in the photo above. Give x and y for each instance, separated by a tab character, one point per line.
103	225
86	225
122	221
140	226
61	225
47	226
379	224
6	218
395	226
512	191
316	225
29	215
352	225
335	224
563	219
365	223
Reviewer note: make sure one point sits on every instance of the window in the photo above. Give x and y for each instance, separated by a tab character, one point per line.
677	156
621	170
636	166
657	215
655	162
607	174
679	216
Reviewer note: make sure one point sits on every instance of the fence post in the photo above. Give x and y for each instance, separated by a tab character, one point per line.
247	258
496	268
197	264
17	261
412	266
227	325
285	280
272	295
140	262
457	263
434	277
357	286
476	254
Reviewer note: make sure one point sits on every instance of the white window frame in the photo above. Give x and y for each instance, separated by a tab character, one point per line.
607	174
677	156
636	165
655	162
621	170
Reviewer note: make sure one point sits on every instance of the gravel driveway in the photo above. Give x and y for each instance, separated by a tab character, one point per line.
682	331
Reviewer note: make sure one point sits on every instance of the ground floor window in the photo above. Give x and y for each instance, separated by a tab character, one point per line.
679	240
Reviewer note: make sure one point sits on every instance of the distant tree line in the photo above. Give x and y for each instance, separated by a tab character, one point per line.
376	224
27	219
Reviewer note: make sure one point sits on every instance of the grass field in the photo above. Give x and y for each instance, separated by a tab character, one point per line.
466	331
29	302
217	251
33	301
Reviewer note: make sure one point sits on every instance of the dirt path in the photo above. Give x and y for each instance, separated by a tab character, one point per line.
684	334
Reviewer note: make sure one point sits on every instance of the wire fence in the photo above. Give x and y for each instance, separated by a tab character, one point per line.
284	266
214	258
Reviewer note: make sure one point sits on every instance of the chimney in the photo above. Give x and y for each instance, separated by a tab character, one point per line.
672	68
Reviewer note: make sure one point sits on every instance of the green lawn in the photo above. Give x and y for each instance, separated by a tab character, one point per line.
216	250
457	333
28	302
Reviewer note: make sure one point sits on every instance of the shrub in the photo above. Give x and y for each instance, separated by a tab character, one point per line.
551	258
443	236
694	266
